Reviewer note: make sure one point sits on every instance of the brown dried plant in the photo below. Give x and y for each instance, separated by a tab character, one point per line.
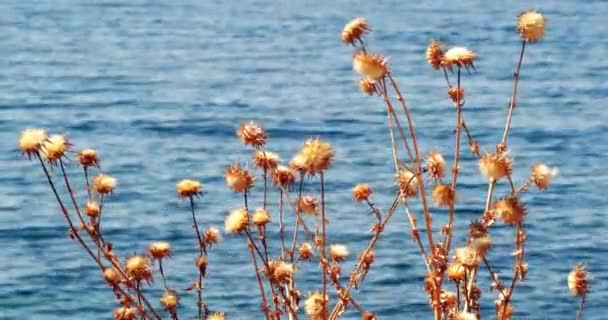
277	263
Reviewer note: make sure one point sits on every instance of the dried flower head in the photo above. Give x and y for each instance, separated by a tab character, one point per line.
54	148
362	192
265	160
509	209
354	31
368	87
455	272
317	156
260	217
467	256
237	220
169	300
112	276
315	304
455	94
201	263
477	229
212	236
251	134
188	188
125	313
138	268
369	258
578	280
216	316
104	184
283	176
159	250
460	57
308	205
443	195
542	175
371	66
298	163
434	54
436	165
408	184
503	312
31	141
338	252
481	245
88	158
238	179
495	166
283	272
531	25
465	316
305	251
92	209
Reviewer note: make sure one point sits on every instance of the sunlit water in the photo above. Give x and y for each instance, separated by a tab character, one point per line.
159	89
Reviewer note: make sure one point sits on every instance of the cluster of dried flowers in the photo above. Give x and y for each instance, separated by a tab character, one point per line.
304	243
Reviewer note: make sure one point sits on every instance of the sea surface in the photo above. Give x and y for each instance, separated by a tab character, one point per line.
159	88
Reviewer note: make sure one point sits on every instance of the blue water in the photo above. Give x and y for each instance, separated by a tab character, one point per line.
159	89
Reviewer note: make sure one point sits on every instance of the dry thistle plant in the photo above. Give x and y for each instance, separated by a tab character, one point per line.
303	242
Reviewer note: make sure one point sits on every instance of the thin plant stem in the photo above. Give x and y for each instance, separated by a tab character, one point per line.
579	314
86	179
265	184
455	169
427	213
324	238
512	103
298	220
162	273
281	225
391	110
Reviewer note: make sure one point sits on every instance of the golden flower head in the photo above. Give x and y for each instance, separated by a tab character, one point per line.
88	158
260	217
283	176
338	252
509	209
305	251
104	184
481	245
92	209
159	250
265	160
362	192
212	236
238	179
54	148
31	141
112	276
463	315
216	316
316	156
542	175
531	25
169	300
371	66
455	272
315	304
443	195
354	31
237	220
251	134
455	94
467	256
448	299
434	54
283	272
125	313
368	87
308	205
460	57
495	166
578	280
188	188
138	268
408	184
436	165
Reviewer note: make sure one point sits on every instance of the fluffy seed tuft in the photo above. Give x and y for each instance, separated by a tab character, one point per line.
251	134
31	141
188	188
354	30
531	25
371	66
362	192
578	280
237	220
